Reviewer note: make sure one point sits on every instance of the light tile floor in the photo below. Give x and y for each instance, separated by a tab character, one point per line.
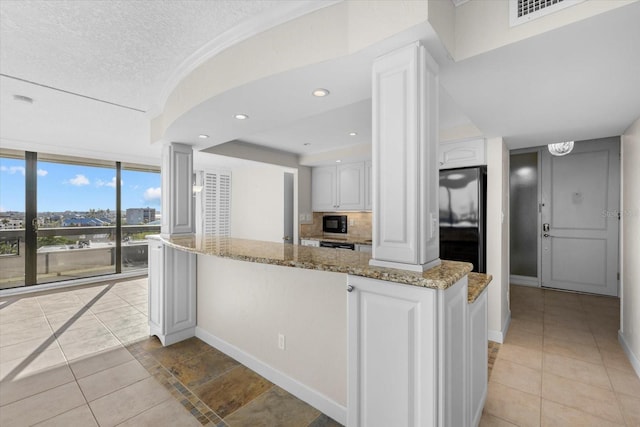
562	365
83	357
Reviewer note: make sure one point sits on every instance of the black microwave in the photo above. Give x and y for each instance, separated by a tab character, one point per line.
334	224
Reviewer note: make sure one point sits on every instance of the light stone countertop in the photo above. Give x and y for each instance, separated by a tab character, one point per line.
323	259
478	282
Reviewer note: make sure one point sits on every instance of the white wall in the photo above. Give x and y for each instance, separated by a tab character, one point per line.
630	244
248	304
481	26
498	237
257	203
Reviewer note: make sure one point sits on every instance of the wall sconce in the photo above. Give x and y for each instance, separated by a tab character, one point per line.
560	148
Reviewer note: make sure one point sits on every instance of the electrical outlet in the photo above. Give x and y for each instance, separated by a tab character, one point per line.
281	341
352	222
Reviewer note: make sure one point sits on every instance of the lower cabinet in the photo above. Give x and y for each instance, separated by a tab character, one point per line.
478	363
172	293
407	354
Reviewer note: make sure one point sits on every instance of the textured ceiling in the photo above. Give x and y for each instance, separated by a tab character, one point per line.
123	52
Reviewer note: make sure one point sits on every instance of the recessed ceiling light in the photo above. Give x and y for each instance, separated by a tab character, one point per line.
203	136
241	116
353	133
320	92
22	98
338	161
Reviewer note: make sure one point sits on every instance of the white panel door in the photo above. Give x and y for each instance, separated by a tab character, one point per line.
323	189
351	193
392	355
580	204
156	287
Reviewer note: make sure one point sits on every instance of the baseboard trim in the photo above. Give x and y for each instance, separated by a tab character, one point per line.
293	386
633	359
499	336
515	279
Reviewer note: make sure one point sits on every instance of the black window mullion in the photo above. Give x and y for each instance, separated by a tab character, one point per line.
118	218
31	219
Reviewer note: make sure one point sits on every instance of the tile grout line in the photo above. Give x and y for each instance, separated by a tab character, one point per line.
173	389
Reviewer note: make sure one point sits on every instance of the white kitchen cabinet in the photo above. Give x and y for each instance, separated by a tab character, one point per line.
363	248
338	188
172	293
308	242
458	154
368	186
478	339
406	354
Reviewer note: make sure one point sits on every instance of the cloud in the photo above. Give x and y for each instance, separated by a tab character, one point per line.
152	194
42	172
112	183
11	170
79	180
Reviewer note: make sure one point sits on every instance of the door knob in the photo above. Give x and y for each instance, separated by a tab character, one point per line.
546	235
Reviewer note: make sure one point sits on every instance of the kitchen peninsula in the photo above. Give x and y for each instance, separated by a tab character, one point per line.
317	321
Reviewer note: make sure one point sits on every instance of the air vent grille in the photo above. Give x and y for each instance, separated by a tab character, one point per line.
526	7
522	11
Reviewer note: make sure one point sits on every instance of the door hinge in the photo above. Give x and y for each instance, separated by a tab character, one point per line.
618	216
618	276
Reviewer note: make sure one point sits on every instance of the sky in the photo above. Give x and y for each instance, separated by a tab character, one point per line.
64	187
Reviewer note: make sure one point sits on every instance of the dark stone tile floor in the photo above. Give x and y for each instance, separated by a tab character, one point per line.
219	391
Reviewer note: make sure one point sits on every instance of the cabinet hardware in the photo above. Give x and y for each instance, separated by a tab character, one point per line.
349	288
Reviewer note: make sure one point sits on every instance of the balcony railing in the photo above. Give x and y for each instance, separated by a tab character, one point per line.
73	252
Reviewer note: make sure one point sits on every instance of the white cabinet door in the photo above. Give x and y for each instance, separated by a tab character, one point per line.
478	341
453	310
368	190
350	188
363	248
460	154
338	188
407	354
323	189
312	243
180	292
172	293
156	297
392	354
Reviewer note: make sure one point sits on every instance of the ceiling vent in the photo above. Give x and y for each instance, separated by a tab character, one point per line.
521	11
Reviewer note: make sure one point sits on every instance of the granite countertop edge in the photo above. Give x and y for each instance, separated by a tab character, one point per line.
478	282
440	277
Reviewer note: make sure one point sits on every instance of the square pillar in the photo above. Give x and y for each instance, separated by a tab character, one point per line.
405	165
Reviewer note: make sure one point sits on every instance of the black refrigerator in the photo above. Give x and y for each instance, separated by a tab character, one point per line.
463	211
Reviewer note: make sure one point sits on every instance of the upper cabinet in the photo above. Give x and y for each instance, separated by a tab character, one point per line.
460	154
338	188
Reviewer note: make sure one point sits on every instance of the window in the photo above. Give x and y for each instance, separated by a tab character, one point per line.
76	218
65	218
214	214
140	202
12	198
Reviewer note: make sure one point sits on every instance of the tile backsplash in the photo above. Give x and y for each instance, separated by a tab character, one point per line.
361	227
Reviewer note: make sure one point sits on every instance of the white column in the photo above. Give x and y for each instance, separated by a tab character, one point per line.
178	214
405	166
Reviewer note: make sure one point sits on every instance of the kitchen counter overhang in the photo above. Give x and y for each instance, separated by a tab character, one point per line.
322	259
